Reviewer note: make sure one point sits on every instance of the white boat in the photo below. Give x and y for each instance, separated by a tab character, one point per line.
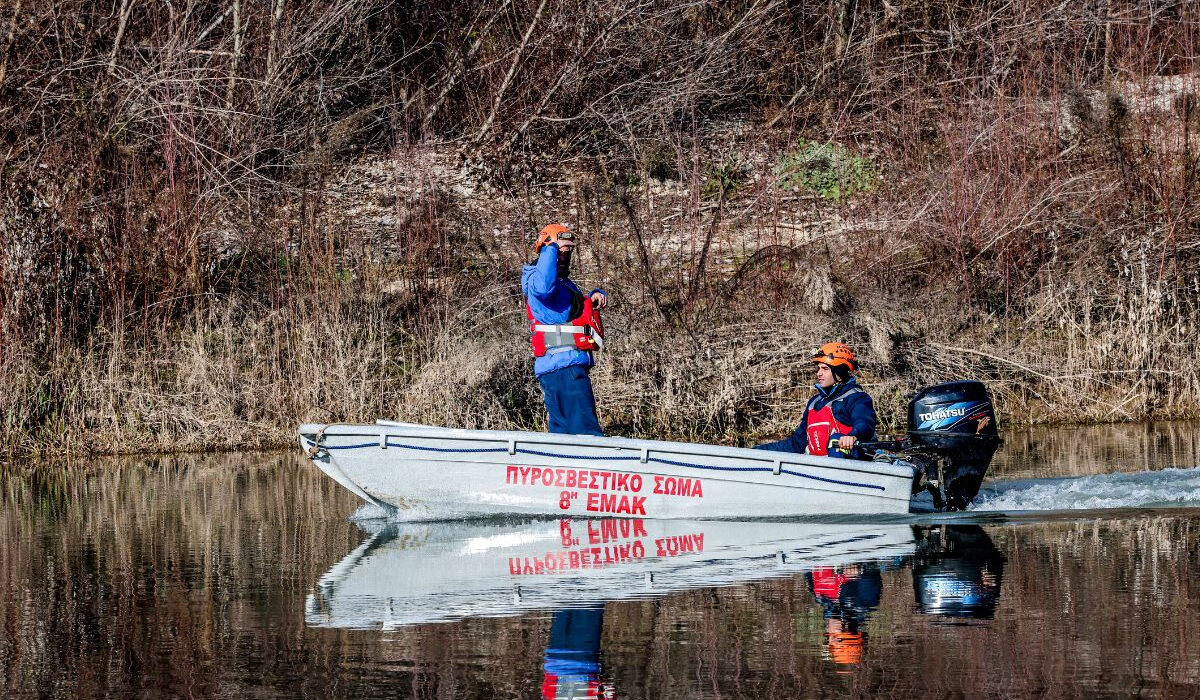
414	573
425	473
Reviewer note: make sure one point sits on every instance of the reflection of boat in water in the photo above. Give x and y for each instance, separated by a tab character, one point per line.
957	572
434	473
417	573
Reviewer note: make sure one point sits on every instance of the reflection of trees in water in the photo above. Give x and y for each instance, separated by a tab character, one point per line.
190	577
1128	582
1098	449
188	574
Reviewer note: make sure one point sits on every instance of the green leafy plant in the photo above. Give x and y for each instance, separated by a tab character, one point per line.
659	163
826	169
724	179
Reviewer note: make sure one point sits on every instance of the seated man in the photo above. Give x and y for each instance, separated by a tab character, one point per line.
566	330
840	412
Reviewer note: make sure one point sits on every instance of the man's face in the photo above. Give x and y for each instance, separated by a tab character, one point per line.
824	376
564	256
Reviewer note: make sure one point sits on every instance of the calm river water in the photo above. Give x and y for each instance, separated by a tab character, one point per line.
1078	575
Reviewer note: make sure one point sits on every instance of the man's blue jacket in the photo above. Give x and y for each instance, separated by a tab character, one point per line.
549	299
856	410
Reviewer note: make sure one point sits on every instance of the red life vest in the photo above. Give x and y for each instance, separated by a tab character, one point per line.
584	332
821	425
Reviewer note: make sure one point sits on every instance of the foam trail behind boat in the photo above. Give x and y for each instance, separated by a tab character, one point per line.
1179	488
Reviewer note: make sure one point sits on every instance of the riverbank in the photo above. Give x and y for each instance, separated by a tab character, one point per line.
190	269
719	359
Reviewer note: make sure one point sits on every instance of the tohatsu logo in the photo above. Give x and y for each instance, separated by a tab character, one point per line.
944	413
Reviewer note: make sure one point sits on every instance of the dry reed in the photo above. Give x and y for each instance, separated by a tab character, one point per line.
222	219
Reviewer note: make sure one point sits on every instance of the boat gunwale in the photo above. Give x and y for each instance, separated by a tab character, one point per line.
774	459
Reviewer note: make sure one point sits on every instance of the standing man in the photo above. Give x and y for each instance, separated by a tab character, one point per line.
839	415
566	331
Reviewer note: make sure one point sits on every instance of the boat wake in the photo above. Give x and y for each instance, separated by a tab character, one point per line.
369	512
372	518
1165	488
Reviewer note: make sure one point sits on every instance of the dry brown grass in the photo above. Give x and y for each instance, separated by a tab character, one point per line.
219	220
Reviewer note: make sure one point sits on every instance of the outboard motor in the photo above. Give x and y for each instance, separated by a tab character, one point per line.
952	430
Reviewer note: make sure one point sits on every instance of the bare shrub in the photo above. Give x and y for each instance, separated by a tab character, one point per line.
187	262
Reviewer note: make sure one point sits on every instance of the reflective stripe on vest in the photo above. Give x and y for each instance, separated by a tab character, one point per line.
584	332
822	425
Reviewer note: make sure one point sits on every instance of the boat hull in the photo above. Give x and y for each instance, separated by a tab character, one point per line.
429	473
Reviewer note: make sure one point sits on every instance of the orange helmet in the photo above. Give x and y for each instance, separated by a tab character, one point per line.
835	355
552	234
845	647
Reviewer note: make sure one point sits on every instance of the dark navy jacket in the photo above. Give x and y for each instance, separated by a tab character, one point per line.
856	411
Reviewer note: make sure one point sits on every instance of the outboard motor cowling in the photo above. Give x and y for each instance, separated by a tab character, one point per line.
956	424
